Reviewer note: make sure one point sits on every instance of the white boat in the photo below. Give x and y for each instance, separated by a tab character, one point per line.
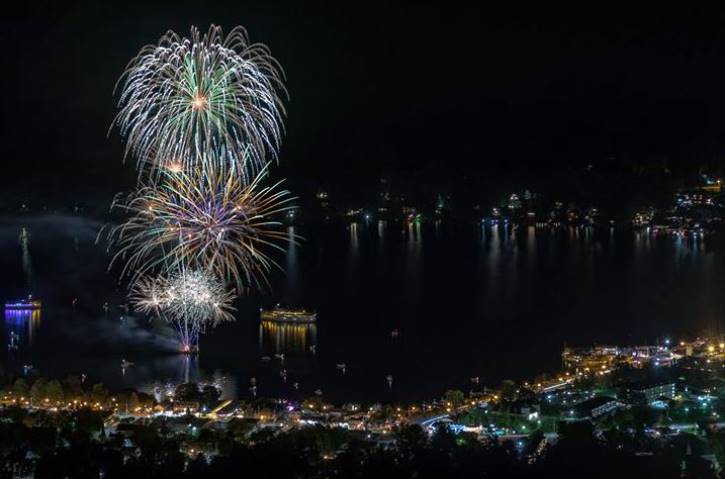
280	314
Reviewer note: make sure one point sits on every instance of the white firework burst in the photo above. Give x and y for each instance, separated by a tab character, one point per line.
190	300
206	97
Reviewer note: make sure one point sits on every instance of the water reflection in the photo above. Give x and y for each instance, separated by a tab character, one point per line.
354	236
286	337
492	279
493	253
291	266
531	240
353	257
687	247
413	261
160	377
24	240
21	326
353	252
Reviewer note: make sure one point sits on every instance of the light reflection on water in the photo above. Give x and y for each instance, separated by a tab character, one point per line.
292	265
462	298
413	261
180	369
275	337
21	325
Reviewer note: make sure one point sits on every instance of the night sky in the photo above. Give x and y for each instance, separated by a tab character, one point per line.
385	90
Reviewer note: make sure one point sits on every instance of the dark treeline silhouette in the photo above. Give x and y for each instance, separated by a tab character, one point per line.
76	445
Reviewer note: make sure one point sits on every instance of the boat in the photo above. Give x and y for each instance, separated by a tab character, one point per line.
280	314
28	303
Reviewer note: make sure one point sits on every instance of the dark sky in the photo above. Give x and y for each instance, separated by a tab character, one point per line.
384	89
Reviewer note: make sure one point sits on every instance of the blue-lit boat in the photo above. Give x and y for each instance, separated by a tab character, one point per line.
23	304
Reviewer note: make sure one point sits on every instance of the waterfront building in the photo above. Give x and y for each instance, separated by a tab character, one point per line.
183	407
604	358
589	359
650	392
596	407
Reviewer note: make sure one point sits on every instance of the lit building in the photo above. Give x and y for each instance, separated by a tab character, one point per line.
651	392
596	407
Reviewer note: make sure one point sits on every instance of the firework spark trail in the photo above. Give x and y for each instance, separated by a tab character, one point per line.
203	98
200	114
190	300
206	218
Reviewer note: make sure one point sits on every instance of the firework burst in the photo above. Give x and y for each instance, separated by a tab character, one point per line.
207	97
206	218
190	300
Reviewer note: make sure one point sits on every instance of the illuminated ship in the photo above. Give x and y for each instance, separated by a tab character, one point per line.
28	303
280	314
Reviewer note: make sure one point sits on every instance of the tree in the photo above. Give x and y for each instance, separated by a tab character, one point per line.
643	416
576	432
131	401
73	388
20	388
88	421
145	400
455	397
526	394
37	391
99	394
127	400
443	439
410	439
187	392
240	428
147	438
210	395
508	390
384	413
54	392
533	441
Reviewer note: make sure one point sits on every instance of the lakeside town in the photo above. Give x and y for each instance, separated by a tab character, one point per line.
688	208
643	398
649	406
353	240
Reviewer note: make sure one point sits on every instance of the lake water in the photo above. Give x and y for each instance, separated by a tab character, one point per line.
466	301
